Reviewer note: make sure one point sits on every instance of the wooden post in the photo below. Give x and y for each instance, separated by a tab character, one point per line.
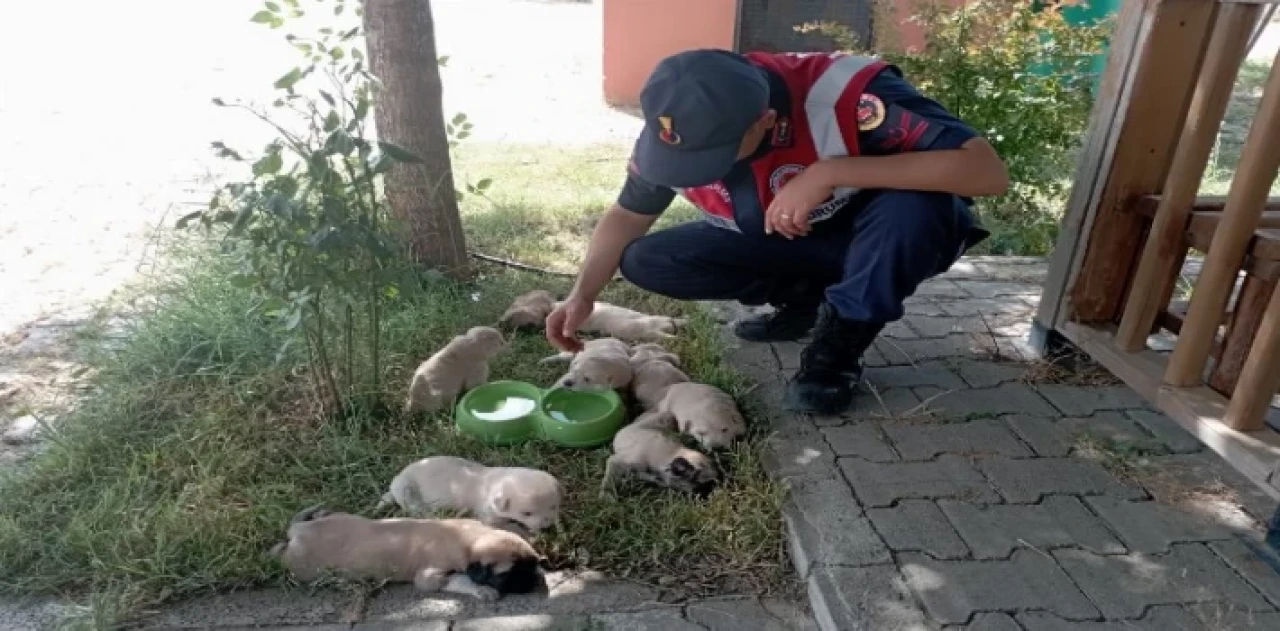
1127	58
1259	163
1255	295
1261	375
1144	148
1165	247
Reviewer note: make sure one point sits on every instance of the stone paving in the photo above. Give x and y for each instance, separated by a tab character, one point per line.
973	487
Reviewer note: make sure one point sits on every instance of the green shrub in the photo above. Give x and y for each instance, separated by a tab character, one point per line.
1021	76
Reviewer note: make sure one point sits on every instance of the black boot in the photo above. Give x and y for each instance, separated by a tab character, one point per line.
793	316
831	365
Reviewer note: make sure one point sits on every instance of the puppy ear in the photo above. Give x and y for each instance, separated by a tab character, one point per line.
501	502
682	468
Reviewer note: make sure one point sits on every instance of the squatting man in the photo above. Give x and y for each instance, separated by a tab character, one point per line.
829	186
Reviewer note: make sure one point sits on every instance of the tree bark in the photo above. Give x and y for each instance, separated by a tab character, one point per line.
408	112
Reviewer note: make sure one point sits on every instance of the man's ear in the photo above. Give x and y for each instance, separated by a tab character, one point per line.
769	118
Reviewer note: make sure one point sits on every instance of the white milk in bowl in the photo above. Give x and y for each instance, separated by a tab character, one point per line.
510	408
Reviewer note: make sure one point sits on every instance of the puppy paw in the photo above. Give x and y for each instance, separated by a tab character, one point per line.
486	593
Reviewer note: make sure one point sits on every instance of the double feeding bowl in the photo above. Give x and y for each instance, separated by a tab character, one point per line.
510	412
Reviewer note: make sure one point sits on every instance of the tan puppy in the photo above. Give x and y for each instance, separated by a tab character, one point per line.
462	556
602	364
528	310
654	369
494	495
646	451
460	366
629	325
704	412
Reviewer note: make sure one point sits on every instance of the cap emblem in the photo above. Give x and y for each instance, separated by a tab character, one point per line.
668	134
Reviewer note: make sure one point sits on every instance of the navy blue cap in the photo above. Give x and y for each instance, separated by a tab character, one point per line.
697	105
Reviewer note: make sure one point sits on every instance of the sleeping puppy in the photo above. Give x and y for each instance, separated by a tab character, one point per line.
460	366
654	369
528	311
704	412
494	495
461	556
629	325
646	451
602	364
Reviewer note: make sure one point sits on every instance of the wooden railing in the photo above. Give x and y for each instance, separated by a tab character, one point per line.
1135	212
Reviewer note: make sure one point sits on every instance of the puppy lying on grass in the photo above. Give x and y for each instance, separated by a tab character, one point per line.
654	369
528	311
461	365
602	364
704	412
646	451
497	496
629	325
461	556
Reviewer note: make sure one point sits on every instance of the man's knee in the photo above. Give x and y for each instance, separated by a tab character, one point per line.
913	216
643	264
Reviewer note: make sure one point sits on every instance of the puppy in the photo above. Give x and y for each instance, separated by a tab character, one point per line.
461	556
602	364
644	450
704	412
528	311
629	325
494	495
460	366
654	369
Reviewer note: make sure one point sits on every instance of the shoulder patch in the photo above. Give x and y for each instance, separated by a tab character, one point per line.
870	112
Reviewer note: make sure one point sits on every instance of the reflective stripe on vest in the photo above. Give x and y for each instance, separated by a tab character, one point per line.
825	89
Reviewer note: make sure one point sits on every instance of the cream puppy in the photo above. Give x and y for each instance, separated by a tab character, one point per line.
654	369
629	325
494	495
460	366
528	310
602	364
645	450
462	556
704	412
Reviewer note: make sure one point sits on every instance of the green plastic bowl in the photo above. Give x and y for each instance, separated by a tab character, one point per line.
500	412
580	419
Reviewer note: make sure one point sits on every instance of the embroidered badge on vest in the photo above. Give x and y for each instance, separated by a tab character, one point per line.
782	175
870	112
668	134
782	133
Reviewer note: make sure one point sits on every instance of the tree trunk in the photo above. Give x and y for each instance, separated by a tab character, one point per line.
408	113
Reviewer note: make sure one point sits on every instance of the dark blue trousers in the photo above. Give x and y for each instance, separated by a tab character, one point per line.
869	257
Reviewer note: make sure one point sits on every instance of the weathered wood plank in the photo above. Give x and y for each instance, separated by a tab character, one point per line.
1228	45
1160	94
1259	164
1096	156
1255	294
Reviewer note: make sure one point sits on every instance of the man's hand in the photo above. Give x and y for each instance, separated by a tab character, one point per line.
563	323
789	213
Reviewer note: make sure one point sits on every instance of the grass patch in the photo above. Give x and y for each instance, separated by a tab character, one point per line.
545	200
197	442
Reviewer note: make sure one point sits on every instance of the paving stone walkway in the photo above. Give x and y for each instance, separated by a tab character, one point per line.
975	487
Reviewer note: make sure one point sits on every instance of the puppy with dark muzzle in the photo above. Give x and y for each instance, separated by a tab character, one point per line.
647	451
528	311
461	556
